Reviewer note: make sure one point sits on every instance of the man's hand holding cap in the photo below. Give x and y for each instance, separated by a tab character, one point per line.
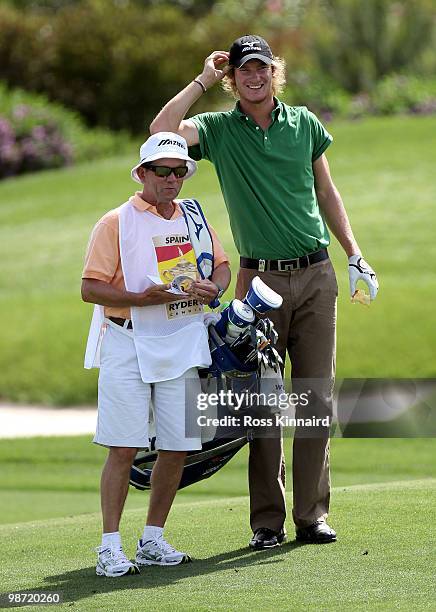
215	69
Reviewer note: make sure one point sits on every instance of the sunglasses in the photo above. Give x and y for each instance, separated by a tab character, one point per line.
165	171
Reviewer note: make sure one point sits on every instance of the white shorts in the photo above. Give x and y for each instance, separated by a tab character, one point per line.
124	400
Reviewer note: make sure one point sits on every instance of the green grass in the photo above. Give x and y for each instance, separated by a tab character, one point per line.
382	507
373	566
55	477
384	169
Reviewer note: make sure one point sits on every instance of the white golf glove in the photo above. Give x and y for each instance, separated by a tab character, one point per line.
358	269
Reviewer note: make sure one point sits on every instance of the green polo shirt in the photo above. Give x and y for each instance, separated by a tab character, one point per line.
267	179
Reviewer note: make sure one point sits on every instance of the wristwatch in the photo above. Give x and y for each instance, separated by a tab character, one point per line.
220	292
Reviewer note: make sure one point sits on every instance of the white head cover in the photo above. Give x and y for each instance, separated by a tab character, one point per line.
161	145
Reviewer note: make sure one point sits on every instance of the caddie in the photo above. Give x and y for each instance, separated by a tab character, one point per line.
148	340
271	164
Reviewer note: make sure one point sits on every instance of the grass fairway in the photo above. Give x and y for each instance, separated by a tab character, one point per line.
383	560
383	503
57	477
384	169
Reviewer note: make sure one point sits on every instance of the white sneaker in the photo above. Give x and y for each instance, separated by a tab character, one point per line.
114	563
157	551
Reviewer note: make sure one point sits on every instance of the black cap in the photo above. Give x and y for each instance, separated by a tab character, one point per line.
250	47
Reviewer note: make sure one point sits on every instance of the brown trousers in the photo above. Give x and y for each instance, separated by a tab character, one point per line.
306	324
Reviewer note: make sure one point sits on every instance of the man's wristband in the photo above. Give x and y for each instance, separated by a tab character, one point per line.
203	87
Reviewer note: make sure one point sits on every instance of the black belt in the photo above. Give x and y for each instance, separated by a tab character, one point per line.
283	265
121	322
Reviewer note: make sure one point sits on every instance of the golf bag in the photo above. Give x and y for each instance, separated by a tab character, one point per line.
199	464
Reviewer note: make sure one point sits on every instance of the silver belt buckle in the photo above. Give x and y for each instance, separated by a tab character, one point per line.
261	266
292	264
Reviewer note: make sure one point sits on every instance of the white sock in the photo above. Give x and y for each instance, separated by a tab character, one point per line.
152	533
111	540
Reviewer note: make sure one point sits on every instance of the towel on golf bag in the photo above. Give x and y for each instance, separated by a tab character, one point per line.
199	235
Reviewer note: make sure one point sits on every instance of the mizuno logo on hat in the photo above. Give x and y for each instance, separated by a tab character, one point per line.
171	142
251	49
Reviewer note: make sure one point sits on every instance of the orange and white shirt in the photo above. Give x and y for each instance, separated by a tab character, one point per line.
103	261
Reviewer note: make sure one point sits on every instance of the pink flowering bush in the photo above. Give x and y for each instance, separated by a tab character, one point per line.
31	141
36	134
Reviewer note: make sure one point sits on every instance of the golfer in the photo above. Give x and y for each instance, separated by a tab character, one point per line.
149	341
271	163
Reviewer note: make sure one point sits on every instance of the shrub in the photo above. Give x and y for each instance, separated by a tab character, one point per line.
36	134
395	94
404	93
114	63
40	147
358	43
319	93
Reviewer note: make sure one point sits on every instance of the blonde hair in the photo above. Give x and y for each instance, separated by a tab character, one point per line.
278	78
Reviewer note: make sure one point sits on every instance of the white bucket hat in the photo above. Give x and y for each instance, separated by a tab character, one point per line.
161	145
